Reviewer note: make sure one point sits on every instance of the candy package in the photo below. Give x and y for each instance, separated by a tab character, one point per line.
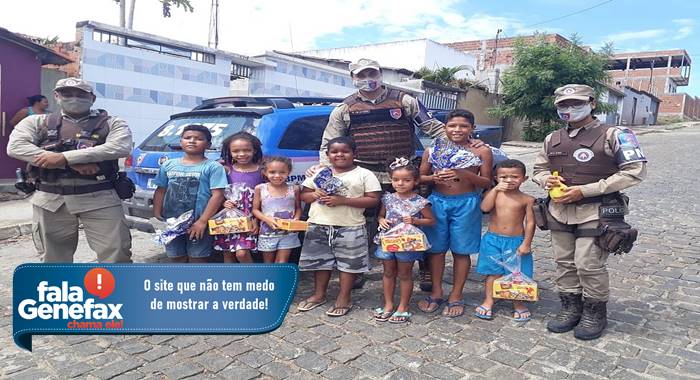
448	155
173	227
401	237
292	224
516	285
233	220
325	181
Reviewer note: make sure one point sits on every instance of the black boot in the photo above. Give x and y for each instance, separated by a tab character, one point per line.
569	314
359	281
426	279
593	321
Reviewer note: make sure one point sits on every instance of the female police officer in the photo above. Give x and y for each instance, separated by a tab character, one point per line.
595	161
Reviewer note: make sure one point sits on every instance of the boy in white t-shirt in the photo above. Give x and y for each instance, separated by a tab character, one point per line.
337	236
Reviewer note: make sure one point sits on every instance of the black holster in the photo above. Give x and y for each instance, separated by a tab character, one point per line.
616	236
123	185
544	219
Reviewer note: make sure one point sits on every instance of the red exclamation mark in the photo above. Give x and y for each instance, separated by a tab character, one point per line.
99	281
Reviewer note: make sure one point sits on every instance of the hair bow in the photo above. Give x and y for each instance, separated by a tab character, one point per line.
399	162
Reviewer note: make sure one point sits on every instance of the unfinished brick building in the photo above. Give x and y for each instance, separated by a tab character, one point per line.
659	73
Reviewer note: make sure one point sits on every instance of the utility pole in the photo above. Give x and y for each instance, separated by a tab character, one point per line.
495	57
214	25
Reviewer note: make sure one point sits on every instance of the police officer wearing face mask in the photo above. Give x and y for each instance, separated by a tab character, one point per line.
72	156
381	121
595	161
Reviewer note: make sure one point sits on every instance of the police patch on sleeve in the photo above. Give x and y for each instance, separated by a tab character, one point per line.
628	148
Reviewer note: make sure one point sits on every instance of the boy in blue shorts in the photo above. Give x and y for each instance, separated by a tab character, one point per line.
191	182
455	200
508	208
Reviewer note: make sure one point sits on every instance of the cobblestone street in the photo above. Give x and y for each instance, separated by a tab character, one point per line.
654	313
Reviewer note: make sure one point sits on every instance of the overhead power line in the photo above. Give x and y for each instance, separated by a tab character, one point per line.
569	14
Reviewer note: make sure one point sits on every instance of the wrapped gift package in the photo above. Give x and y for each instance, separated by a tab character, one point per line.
506	288
230	225
292	224
404	243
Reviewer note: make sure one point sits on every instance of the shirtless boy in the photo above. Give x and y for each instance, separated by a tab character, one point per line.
508	208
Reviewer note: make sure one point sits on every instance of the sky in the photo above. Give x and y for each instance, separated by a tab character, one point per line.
251	27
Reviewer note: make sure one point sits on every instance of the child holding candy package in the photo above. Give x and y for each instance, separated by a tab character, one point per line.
337	235
508	208
276	200
190	183
400	212
242	155
458	173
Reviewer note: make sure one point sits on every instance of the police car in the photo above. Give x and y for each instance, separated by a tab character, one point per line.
291	127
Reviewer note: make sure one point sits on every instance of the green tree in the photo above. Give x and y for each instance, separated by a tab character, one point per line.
442	75
541	67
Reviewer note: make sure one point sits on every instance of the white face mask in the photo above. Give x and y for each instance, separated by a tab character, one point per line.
574	114
369	84
74	105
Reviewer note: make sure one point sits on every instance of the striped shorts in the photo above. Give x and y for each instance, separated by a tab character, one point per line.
328	247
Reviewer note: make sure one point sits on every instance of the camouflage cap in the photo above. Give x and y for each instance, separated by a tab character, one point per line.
74	82
573	91
362	64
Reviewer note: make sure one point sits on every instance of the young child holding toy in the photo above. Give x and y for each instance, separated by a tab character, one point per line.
508	209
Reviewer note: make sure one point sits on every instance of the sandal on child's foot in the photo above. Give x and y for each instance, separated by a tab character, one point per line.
400	317
433	304
307	305
483	312
521	315
380	315
338	311
447	311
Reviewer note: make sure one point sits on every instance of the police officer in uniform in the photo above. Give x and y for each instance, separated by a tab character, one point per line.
72	156
595	161
381	121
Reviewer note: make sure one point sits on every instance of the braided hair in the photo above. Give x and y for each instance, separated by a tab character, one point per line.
254	142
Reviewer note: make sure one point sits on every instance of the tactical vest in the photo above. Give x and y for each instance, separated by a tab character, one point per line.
581	159
59	134
382	131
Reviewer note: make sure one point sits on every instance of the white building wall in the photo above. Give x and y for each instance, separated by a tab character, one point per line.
145	87
293	77
411	55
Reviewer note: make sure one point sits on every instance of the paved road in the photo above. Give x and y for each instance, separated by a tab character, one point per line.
654	329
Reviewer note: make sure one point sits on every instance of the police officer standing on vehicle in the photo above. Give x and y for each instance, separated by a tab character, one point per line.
595	162
381	121
72	156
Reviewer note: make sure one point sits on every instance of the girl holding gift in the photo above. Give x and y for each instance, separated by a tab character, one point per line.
399	214
276	200
458	172
241	154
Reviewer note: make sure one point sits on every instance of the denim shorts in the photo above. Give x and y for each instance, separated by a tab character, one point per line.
272	243
183	246
402	257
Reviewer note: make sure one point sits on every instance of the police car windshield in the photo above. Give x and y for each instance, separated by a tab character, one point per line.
167	137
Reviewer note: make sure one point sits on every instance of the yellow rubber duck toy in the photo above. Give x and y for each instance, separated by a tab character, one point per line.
557	191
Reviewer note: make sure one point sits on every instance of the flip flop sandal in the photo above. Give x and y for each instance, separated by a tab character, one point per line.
400	317
307	305
430	300
450	305
338	311
518	315
486	315
380	315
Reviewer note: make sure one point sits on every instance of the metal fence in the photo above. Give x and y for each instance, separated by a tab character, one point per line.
438	100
